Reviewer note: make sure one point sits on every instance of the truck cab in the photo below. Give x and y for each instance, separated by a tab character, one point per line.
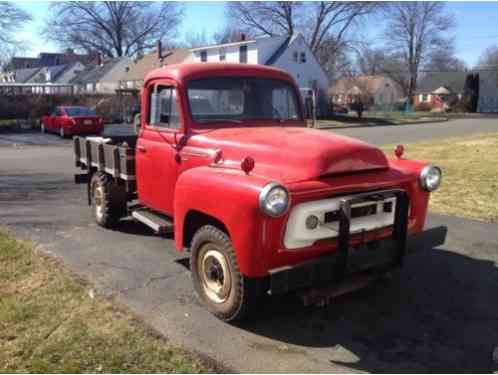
265	205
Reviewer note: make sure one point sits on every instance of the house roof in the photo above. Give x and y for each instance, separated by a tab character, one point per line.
280	50
94	74
367	85
138	69
48	59
24	75
454	82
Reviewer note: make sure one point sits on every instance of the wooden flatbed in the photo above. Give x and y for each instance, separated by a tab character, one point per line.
112	155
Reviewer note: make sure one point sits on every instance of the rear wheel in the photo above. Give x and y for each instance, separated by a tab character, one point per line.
108	200
42	127
217	278
62	133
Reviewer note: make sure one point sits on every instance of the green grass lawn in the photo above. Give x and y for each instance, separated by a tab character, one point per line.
50	324
470	174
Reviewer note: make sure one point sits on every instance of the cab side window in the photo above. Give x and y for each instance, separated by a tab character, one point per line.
164	108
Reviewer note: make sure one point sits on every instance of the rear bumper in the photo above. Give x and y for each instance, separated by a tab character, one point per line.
331	268
87	129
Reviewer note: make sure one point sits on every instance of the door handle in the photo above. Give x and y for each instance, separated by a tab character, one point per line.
141	148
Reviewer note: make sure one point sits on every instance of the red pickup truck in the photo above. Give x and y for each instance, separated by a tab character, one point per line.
264	205
71	120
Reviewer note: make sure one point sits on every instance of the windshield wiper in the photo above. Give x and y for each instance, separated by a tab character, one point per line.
220	120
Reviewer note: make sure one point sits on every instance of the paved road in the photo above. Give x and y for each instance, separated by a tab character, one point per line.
440	316
394	134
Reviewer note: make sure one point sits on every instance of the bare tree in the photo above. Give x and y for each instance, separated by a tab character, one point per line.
229	34
489	58
324	24
444	60
196	39
414	31
112	28
11	20
371	61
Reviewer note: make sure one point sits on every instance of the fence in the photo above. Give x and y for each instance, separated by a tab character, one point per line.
16	89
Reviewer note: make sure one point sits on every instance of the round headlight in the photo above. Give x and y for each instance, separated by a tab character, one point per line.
430	178
274	199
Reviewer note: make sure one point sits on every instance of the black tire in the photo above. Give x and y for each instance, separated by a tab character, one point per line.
108	200
243	293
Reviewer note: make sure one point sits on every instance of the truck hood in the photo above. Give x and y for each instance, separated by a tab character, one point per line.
292	154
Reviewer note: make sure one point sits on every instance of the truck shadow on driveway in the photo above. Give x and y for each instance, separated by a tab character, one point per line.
439	315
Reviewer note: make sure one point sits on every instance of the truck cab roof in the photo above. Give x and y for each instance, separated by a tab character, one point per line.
184	72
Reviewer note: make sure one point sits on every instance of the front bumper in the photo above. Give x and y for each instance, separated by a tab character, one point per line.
380	255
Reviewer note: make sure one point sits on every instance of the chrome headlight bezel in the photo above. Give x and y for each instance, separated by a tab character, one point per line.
265	194
425	173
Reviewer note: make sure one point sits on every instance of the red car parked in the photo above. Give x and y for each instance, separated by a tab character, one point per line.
71	120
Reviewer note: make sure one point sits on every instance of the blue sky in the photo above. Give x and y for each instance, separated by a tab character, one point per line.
476	29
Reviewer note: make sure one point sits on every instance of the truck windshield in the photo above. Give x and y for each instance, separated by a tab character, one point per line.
79	111
235	99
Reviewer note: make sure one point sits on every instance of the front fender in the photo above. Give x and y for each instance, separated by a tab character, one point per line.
231	197
418	196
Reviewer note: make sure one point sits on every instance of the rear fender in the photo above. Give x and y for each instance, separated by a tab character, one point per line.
231	198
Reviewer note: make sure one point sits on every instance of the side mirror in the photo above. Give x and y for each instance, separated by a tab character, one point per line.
137	120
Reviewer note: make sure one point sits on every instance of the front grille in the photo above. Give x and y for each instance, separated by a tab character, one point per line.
361	211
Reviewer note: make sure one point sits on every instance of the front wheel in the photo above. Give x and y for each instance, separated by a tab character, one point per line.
42	127
217	278
62	133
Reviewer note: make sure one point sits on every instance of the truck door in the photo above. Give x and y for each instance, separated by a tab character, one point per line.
156	154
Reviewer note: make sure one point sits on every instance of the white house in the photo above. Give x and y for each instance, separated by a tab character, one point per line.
289	53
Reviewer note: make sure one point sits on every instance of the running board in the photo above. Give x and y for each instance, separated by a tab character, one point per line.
159	223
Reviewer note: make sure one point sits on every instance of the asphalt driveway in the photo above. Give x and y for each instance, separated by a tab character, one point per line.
441	315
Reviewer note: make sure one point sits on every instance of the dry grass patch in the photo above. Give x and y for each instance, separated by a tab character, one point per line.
49	324
470	174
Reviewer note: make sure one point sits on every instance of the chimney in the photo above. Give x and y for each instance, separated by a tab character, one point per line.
242	37
159	50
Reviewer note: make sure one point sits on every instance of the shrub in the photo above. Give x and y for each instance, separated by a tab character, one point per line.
423	107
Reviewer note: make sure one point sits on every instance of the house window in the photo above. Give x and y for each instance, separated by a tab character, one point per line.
222	54
303	57
204	56
243	54
424	98
295	56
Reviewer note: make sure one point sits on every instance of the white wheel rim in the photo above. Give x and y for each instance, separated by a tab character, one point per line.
215	275
98	197
62	131
43	128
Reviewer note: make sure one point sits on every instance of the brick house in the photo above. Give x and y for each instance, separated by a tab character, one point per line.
373	91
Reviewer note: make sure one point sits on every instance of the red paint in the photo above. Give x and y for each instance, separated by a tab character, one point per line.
76	125
219	170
